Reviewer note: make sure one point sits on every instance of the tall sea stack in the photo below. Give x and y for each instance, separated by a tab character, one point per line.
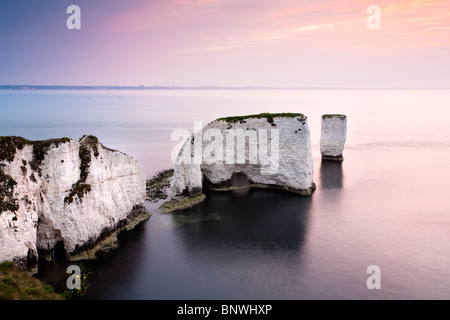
333	136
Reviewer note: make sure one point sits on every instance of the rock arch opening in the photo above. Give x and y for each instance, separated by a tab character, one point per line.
239	180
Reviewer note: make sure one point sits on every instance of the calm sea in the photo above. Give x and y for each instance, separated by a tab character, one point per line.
386	204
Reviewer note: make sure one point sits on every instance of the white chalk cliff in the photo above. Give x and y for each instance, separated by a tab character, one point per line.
266	150
333	136
78	194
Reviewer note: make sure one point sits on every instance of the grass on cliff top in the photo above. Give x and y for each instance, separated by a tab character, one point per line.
17	284
10	144
333	115
268	116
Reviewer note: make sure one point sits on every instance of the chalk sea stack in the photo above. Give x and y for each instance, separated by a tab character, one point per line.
333	136
263	150
74	194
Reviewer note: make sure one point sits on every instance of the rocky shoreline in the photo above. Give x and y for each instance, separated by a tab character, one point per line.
81	194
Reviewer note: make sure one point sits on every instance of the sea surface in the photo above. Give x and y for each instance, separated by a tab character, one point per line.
387	204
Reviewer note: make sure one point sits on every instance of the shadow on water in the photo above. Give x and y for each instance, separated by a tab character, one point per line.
230	239
249	219
105	272
112	271
331	174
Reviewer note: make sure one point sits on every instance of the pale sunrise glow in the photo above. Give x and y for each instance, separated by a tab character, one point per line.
315	27
227	43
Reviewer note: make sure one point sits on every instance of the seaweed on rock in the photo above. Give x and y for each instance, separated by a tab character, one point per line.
157	186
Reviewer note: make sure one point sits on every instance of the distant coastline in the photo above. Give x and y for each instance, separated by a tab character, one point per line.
61	87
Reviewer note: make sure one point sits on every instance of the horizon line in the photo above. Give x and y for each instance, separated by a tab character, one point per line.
207	87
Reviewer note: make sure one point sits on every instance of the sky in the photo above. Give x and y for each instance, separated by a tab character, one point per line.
285	43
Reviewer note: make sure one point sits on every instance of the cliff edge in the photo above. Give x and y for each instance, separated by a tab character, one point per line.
78	194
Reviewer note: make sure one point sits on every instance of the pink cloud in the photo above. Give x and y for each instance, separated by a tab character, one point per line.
266	39
232	24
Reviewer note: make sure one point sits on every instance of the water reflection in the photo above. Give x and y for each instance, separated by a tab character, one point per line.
331	175
257	220
113	274
111	270
229	238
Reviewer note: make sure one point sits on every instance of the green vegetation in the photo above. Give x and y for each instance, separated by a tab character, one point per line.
92	142
268	116
7	200
78	294
33	178
342	116
9	146
157	186
40	150
23	168
86	157
17	284
88	145
78	189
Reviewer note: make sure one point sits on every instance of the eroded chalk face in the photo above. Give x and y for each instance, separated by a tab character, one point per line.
333	136
213	146
269	150
76	193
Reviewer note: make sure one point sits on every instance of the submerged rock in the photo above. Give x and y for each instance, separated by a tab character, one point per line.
264	150
78	194
333	136
180	203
